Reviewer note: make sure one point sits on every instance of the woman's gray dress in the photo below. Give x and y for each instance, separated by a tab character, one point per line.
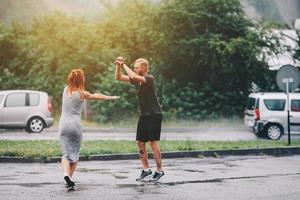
69	126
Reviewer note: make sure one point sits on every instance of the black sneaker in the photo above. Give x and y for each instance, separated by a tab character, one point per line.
69	182
144	175
71	189
156	176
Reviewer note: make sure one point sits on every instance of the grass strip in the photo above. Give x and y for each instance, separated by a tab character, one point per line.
50	148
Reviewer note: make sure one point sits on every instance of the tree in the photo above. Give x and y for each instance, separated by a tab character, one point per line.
213	46
205	55
297	51
39	56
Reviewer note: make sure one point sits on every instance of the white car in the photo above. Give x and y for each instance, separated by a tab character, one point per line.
249	110
28	109
270	114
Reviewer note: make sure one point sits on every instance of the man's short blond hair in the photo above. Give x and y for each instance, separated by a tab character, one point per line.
143	62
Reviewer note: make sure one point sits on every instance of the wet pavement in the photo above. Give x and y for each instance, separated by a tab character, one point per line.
226	178
200	134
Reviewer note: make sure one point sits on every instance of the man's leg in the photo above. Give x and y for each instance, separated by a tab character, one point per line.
156	154
146	172
143	154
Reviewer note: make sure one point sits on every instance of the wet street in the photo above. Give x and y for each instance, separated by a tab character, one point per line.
200	134
204	134
226	178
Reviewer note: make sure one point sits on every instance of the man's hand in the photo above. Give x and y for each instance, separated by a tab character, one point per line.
119	61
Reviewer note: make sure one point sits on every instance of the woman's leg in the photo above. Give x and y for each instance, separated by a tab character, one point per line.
68	171
73	167
66	166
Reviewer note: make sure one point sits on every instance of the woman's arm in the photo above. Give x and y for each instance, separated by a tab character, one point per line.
99	96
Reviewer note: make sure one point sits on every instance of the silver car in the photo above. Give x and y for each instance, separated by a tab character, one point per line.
249	110
28	109
270	114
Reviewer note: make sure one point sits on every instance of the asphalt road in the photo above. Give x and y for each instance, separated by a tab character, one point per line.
200	134
205	134
227	178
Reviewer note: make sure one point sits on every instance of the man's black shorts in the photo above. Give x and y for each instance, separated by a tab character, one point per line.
149	128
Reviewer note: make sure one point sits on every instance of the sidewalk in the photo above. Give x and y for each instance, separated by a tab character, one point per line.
226	178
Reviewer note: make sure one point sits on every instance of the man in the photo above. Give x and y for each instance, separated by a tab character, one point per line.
149	124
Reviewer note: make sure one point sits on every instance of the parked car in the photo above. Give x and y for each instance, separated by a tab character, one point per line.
249	110
270	114
28	109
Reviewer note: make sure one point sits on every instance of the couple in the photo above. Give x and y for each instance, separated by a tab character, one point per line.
148	128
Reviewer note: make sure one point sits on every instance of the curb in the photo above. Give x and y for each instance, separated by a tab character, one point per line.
280	151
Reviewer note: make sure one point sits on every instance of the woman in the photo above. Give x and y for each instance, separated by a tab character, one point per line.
69	125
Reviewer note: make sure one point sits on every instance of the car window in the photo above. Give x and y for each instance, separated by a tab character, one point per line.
34	99
275	104
250	103
14	100
295	105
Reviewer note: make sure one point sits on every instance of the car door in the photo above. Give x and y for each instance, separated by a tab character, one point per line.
249	112
1	107
295	116
15	111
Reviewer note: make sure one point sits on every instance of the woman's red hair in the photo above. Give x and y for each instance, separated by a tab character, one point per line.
76	81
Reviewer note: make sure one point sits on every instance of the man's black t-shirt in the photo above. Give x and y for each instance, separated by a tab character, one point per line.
147	96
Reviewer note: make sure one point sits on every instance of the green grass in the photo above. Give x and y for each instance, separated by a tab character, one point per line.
46	149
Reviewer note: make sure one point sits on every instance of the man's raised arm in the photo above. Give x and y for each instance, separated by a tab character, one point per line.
134	76
118	72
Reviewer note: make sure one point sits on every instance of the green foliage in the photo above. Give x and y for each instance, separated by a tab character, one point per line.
297	50
129	27
40	57
131	38
212	54
204	55
125	107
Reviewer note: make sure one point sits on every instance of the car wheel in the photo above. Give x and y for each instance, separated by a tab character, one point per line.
274	132
35	125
